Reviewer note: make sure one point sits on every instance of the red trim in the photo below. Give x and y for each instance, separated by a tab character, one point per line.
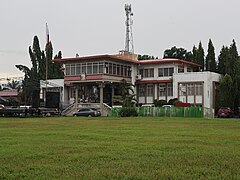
9	93
72	78
160	61
153	81
94	77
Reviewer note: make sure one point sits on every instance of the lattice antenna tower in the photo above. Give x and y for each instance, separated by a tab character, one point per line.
129	48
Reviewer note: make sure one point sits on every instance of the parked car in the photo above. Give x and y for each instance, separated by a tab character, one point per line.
225	112
87	112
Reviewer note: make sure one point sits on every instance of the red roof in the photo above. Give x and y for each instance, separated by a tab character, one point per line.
97	57
115	57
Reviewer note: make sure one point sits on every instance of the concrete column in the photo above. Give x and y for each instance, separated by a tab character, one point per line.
76	97
101	86
113	92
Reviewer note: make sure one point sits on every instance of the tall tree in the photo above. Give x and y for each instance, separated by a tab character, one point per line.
178	53
200	55
223	57
226	89
194	54
211	64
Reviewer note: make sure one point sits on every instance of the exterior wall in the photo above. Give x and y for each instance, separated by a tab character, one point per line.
206	78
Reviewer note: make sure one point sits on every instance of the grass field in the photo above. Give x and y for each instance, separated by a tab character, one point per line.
119	148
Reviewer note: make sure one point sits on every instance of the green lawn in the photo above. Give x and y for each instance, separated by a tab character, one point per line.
119	148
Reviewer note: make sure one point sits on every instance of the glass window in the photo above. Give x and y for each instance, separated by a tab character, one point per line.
149	90
160	72
190	89
171	71
95	68
129	71
73	70
118	69
110	68
122	70
169	89
180	69
141	72
165	71
100	70
198	89
182	89
84	69
78	69
67	70
114	69
162	89
189	69
142	91
89	68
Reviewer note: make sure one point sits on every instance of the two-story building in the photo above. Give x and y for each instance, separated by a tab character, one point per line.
95	79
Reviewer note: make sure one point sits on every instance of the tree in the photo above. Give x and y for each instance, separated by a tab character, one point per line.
194	54
127	97
226	86
14	85
200	55
211	64
223	57
145	57
178	53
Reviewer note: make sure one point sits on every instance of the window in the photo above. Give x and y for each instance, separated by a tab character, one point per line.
95	68
169	89
190	89
198	89
89	68
114	69
163	72
147	72
118	69
180	69
110	68
72	71
170	71
162	89
141	72
150	90
67	69
84	69
101	66
78	69
141	91
122	70
182	89
189	69
160	72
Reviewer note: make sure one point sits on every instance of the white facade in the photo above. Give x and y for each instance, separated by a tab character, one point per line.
208	81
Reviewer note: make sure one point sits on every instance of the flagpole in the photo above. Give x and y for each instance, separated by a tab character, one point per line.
47	42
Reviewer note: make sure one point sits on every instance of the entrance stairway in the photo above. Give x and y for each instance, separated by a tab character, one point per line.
73	108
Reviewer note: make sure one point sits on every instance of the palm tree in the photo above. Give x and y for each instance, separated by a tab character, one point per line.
14	85
127	97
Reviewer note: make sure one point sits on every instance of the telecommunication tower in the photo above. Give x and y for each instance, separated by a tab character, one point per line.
129	22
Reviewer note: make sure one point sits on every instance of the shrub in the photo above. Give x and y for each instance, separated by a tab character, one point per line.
127	112
160	103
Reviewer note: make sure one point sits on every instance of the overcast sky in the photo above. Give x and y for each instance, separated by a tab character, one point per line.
94	27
